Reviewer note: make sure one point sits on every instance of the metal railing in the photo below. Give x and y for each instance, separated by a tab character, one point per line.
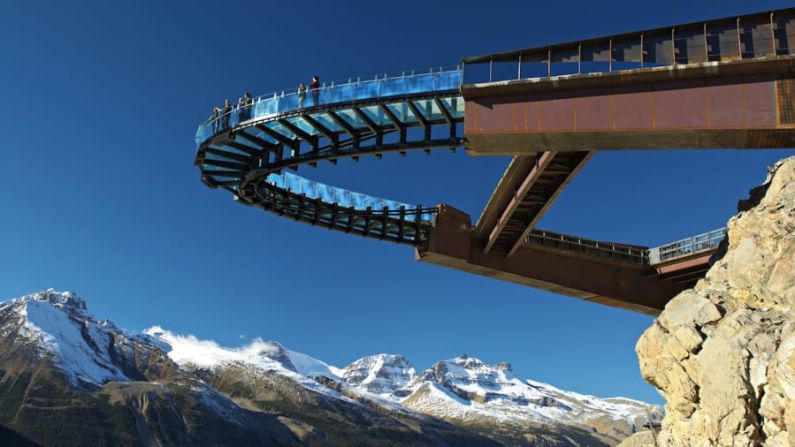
344	198
752	36
639	255
687	247
625	252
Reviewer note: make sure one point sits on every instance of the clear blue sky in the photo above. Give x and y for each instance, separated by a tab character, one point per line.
100	101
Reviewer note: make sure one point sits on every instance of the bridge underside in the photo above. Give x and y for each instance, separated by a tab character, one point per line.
601	277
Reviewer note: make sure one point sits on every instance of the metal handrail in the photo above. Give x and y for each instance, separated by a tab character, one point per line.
645	256
612	249
687	246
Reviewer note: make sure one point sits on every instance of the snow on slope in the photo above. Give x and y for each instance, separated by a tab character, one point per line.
187	350
380	373
268	355
465	387
61	326
459	388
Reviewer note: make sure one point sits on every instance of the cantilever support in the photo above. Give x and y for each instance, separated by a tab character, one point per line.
615	284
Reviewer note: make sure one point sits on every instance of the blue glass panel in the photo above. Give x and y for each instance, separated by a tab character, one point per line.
375	114
203	133
393	87
365	90
269	105
288	103
421	83
402	111
340	93
327	122
265	107
281	129
449	80
351	118
302	124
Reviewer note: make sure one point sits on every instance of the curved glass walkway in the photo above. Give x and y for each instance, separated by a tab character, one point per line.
248	149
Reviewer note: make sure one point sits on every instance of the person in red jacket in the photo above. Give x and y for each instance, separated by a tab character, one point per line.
314	87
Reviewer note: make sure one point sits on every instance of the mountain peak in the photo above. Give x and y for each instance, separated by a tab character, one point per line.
60	327
65	300
380	373
265	355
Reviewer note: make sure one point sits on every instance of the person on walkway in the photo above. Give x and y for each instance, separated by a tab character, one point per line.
301	94
315	88
245	108
215	119
225	113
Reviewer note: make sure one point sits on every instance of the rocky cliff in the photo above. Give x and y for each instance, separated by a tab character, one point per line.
723	353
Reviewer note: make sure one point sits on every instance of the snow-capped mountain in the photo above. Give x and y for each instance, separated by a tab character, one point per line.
85	349
466	389
380	374
461	401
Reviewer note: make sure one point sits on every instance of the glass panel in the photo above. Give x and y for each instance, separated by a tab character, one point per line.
375	114
260	134
425	107
350	117
281	129
402	112
327	122
342	197
267	106
303	125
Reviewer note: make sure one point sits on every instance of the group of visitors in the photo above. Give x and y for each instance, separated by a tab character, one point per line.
314	87
220	116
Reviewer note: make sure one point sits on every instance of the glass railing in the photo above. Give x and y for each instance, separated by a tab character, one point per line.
343	197
383	86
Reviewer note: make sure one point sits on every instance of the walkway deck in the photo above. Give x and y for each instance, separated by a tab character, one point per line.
554	108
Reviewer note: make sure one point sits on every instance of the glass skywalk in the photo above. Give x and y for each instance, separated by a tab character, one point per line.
284	102
247	149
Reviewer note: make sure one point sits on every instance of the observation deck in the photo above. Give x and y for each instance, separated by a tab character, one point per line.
249	150
561	104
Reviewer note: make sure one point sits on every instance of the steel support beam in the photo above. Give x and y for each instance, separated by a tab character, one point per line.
451	244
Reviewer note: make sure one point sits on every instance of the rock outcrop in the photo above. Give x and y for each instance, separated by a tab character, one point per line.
723	353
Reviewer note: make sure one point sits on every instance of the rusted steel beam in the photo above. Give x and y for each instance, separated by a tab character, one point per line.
518	196
514	174
685	263
577	163
747	111
783	66
523	195
614	284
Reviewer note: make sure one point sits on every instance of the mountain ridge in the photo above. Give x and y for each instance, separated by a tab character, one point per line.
277	396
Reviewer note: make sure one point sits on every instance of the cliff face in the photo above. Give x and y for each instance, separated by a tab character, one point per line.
723	353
